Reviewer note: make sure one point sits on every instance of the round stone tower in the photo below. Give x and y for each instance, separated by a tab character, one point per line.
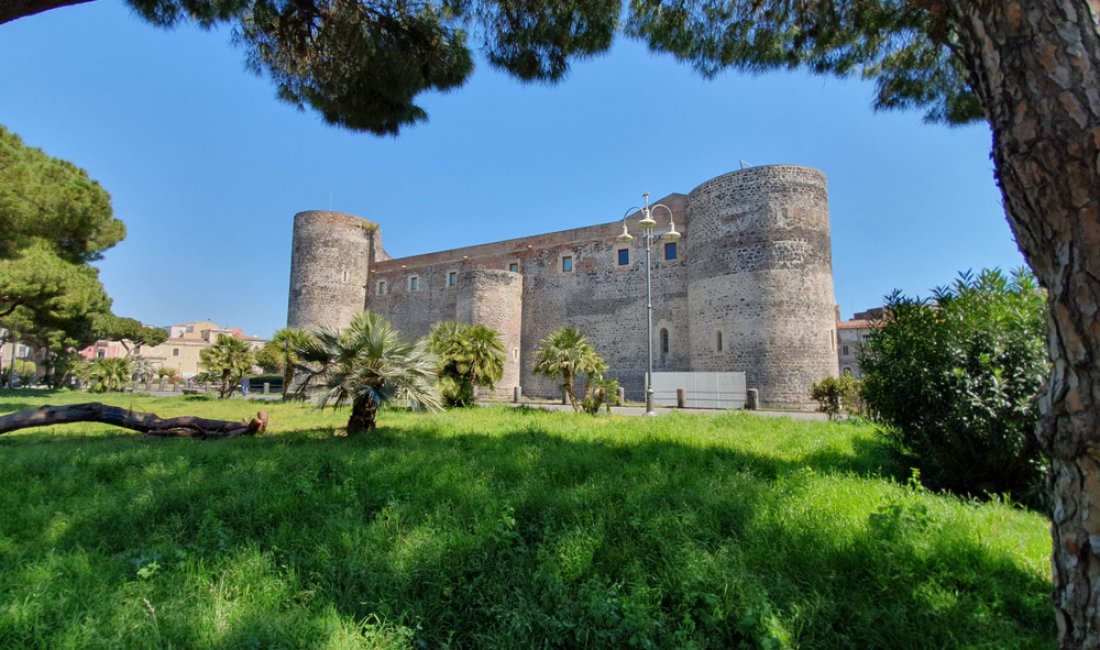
329	264
494	298
760	280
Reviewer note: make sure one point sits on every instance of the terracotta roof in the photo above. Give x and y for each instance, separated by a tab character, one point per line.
854	325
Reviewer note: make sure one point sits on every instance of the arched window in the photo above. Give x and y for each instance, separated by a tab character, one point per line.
664	341
719	340
847	371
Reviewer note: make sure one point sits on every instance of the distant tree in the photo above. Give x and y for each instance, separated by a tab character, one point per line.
104	375
368	365
956	382
470	356
131	333
141	368
836	395
599	392
226	362
23	370
566	354
280	354
165	372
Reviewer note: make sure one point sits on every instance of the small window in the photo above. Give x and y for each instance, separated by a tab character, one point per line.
664	341
414	283
670	250
515	353
383	289
101	353
624	256
175	352
513	267
452	278
847	371
844	350
567	264
719	341
344	275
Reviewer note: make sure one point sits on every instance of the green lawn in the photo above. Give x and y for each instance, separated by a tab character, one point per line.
499	528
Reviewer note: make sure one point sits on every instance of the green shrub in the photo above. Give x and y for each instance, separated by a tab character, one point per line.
838	394
955	383
599	392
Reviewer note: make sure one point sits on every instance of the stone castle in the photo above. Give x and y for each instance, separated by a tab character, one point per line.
748	288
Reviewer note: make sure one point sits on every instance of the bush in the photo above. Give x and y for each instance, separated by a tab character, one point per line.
838	394
955	383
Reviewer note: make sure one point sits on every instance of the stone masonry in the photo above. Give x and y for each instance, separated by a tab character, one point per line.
750	287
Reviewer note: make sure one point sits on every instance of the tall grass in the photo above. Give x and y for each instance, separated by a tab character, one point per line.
499	528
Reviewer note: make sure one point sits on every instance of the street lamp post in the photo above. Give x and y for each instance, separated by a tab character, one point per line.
647	224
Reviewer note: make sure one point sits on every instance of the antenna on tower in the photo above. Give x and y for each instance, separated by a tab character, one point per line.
744	164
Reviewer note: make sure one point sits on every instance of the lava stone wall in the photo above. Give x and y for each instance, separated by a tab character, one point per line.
494	298
761	275
329	267
754	264
603	299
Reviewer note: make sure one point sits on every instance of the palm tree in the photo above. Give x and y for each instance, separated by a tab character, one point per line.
105	375
280	354
141	368
565	354
368	364
226	362
469	356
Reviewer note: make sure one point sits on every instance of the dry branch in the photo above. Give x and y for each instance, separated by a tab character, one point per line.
147	423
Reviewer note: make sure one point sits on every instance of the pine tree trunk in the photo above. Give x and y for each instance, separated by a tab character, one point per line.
147	423
1036	66
363	414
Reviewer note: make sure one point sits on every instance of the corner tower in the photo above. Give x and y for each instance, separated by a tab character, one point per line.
760	280
329	267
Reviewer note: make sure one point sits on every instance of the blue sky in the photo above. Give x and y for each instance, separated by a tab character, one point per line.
207	168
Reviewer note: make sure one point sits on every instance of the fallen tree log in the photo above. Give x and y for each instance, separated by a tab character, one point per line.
147	423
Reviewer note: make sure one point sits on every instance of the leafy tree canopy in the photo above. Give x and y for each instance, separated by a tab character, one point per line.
129	331
956	382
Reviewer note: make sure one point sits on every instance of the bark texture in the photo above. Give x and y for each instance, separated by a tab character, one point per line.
13	9
364	413
1036	66
147	423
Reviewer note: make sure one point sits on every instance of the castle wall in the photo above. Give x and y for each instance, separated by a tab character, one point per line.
494	298
329	267
761	274
754	264
602	299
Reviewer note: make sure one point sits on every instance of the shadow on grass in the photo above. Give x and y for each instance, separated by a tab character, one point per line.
527	539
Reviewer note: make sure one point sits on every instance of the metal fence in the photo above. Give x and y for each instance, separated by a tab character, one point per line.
704	390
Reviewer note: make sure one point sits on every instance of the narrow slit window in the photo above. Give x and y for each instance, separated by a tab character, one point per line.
719	341
664	341
382	288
